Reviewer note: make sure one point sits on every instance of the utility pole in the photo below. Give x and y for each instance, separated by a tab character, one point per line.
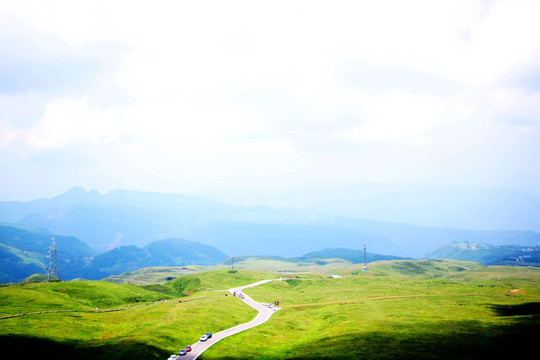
365	259
232	267
53	268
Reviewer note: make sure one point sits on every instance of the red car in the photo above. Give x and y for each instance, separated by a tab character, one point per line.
188	348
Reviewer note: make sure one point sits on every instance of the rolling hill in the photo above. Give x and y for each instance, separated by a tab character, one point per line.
24	251
399	309
353	256
167	252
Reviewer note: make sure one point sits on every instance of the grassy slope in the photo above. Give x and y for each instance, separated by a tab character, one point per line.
397	309
159	274
153	331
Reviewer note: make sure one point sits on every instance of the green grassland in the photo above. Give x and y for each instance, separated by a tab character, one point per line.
276	264
397	309
154	275
417	309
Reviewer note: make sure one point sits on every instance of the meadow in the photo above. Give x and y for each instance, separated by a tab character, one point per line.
374	315
397	309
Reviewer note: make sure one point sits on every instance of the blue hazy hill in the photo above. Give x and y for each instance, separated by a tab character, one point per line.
24	251
124	218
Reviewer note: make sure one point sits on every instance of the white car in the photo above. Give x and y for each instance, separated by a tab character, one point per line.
204	338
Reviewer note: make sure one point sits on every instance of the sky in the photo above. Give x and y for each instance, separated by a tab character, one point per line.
208	97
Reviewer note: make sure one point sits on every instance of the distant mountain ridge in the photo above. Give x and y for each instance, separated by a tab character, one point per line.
124	218
24	250
488	254
166	252
353	256
416	204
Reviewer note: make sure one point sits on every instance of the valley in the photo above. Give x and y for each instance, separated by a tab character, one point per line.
132	288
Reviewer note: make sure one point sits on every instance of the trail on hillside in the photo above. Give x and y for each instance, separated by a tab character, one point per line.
264	313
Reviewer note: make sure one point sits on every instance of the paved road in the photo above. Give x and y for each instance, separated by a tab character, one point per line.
264	314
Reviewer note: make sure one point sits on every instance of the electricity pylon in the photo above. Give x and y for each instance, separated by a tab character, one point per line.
365	259
53	269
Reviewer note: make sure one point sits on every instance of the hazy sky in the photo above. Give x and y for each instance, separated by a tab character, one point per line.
200	96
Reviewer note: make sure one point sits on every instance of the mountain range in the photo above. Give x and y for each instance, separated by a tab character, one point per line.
124	218
425	205
24	251
488	254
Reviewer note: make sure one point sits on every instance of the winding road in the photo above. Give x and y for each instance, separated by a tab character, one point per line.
264	314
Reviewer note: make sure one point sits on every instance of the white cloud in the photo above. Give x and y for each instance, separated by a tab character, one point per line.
70	121
506	37
293	89
398	116
7	135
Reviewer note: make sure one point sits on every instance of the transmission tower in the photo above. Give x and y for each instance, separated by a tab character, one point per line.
53	269
365	259
232	270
